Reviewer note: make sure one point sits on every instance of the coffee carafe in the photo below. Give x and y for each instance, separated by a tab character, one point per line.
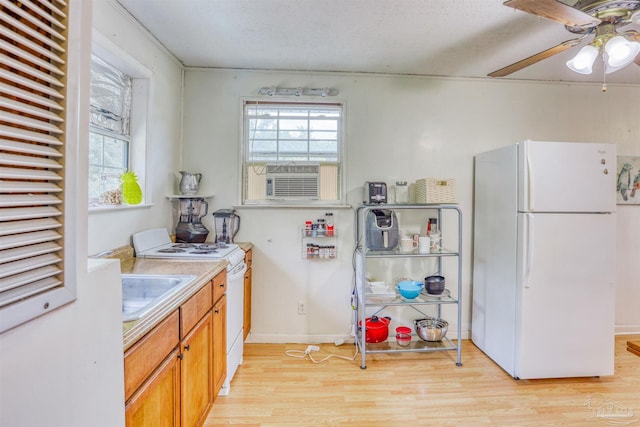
227	225
190	228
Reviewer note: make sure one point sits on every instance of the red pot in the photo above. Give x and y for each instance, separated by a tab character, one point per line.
376	329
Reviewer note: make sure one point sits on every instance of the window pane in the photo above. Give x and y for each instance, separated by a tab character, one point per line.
108	160
95	149
328	147
264	134
293	146
115	152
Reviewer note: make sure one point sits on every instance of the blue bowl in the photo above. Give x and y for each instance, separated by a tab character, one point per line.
409	289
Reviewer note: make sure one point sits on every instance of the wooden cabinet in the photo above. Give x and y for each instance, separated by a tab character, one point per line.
196	376
248	259
174	372
219	360
157	401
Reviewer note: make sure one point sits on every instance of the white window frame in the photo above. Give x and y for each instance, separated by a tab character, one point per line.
141	99
246	133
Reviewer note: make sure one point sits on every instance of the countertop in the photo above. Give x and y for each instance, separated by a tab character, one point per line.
203	269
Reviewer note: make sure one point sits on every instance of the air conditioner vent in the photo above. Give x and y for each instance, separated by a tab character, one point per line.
293	181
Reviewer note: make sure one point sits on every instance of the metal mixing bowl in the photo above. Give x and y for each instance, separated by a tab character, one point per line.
431	329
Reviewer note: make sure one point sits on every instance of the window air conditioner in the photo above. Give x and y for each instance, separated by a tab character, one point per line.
293	181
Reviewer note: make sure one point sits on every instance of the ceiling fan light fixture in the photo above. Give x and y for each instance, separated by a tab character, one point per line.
583	62
620	52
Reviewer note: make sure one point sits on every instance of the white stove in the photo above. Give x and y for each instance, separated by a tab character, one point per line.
156	243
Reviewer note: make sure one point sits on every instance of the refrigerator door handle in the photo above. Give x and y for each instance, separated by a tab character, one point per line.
530	249
530	181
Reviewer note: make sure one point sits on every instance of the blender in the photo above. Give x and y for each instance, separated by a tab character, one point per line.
227	224
190	228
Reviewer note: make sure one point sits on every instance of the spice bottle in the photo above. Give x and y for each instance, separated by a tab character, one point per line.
329	223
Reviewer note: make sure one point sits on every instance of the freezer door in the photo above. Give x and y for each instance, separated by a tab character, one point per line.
566	177
565	298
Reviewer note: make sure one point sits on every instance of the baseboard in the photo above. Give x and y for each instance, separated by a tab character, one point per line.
627	329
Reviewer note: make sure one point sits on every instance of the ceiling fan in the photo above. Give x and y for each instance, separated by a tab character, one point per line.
600	18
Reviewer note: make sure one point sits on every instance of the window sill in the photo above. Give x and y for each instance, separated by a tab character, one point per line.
113	208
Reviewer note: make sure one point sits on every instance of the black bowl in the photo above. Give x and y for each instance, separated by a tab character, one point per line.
434	285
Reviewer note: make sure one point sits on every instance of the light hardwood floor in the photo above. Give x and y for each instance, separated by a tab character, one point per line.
412	389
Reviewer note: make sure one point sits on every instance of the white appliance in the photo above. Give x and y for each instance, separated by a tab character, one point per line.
544	258
156	243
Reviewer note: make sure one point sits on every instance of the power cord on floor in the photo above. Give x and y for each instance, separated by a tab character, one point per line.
300	354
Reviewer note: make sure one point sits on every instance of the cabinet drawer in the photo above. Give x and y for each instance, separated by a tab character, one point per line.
219	285
145	355
194	308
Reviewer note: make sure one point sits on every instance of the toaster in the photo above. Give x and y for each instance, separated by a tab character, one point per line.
375	192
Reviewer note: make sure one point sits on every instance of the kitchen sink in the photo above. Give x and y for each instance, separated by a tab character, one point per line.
142	292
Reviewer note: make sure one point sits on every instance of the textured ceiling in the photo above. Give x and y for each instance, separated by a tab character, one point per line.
458	38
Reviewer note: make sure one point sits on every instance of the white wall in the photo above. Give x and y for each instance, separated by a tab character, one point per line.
117	31
396	127
65	369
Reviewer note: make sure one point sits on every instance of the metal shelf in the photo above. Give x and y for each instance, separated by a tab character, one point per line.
364	299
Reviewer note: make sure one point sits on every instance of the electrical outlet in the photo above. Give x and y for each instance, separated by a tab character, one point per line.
302	307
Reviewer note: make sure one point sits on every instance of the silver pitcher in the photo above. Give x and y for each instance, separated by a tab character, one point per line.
189	183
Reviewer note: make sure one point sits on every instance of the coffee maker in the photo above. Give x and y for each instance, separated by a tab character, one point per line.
227	225
190	228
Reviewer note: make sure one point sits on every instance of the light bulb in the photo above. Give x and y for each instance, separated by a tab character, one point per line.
620	52
583	62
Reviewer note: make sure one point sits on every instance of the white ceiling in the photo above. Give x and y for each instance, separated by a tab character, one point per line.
460	38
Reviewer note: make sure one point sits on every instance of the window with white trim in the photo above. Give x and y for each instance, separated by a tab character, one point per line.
292	153
35	143
109	131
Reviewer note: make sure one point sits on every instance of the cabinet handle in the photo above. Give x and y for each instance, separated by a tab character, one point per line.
216	311
180	356
187	347
222	285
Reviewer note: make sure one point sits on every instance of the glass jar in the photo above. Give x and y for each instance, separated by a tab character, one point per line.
402	192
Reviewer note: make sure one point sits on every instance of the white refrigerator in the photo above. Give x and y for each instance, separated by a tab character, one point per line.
544	258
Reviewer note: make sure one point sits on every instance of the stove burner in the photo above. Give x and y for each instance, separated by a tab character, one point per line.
206	247
183	245
173	250
203	251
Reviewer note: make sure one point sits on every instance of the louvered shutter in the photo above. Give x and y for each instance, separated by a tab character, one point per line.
33	58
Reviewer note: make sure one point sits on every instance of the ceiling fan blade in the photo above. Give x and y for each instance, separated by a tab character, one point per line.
535	58
555	11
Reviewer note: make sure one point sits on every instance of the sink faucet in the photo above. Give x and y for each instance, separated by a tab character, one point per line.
102	254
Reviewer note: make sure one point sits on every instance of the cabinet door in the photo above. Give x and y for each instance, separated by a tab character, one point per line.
219	344
195	373
157	401
247	303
